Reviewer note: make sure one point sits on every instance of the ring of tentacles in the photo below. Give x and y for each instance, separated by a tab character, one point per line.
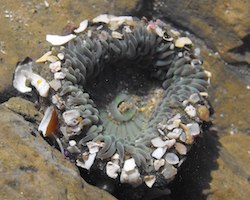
132	98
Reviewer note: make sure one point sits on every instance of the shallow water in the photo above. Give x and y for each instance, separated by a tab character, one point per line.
222	155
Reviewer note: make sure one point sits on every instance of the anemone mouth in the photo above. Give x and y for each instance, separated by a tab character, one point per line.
130	98
126	98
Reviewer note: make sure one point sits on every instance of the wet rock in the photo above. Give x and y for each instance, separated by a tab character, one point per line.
224	25
24	25
233	171
30	168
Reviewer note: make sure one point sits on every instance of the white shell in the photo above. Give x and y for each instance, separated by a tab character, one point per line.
55	84
45	121
174	122
93	146
19	81
101	18
158	142
194	129
38	82
58	39
158	164
88	163
129	165
181	148
131	177
159	152
60	56
172	158
71	117
58	101
72	143
112	169
183	137
55	66
44	57
182	41
175	133
59	75
82	27
170	143
194	98
169	172
117	35
191	111
149	180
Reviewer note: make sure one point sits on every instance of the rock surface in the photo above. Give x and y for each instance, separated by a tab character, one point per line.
223	25
30	168
24	25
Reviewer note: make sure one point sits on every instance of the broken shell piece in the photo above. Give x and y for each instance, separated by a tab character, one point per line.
93	147
175	133
58	39
183	137
158	142
101	18
55	66
170	143
169	171
72	143
172	158
82	27
117	35
194	129
71	117
55	84
203	113
159	152
174	122
60	56
129	165
191	111
44	57
19	81
59	75
115	158
49	122
188	136
38	82
149	180
204	94
182	41
112	169
88	162
58	101
73	149
158	164
194	98
181	148
131	177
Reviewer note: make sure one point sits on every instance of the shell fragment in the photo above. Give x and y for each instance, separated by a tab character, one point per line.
58	39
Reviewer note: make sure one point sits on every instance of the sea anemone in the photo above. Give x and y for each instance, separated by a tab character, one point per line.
128	94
